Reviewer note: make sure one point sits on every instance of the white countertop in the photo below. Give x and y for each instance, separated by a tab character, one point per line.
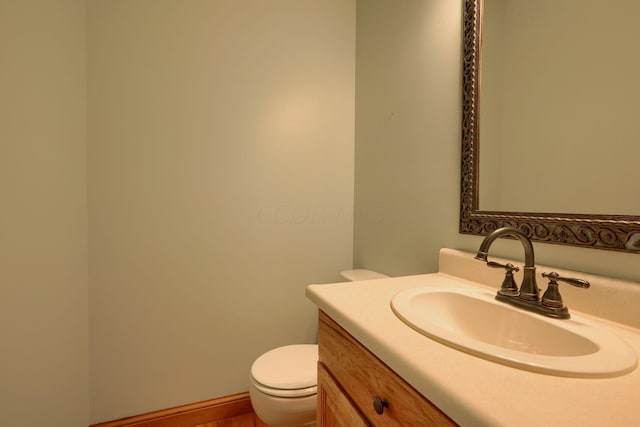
471	390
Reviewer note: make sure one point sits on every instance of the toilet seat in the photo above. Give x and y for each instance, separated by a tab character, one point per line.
289	371
276	392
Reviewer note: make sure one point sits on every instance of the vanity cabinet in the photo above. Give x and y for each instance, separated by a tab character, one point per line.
356	389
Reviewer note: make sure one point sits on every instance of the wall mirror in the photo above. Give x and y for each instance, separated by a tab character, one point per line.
550	102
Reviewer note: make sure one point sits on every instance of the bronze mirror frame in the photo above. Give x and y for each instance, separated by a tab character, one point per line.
612	232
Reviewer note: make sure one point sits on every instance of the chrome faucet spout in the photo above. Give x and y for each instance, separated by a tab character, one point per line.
528	296
529	288
481	256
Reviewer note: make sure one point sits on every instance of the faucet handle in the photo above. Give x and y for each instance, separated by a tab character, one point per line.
552	297
508	266
509	287
554	277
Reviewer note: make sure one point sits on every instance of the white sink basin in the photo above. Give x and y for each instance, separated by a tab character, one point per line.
471	320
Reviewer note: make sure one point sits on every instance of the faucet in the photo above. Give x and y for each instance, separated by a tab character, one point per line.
528	296
529	288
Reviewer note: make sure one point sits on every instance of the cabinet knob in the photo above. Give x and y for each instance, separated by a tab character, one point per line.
379	404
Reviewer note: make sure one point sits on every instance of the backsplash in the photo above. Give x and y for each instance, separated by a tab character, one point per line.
612	299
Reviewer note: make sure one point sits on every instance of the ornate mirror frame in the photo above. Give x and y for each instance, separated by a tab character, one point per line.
613	232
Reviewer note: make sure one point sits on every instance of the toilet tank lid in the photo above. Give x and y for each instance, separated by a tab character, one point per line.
360	274
288	368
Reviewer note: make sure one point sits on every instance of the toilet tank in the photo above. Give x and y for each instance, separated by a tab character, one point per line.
359	274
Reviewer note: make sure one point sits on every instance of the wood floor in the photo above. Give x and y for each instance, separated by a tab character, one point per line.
245	420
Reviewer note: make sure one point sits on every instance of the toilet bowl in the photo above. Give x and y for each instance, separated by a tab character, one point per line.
284	385
284	382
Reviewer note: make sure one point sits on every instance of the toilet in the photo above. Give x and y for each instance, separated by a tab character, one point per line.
284	381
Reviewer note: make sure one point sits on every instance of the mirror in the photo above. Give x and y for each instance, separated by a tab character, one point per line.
508	55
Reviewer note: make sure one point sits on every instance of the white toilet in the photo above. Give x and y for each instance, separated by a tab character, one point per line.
284	381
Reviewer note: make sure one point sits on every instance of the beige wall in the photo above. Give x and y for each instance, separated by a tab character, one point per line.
44	378
407	133
408	115
221	184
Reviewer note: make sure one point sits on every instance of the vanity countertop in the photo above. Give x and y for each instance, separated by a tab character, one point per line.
471	390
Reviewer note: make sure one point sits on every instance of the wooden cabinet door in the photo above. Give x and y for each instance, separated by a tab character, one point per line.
334	407
364	378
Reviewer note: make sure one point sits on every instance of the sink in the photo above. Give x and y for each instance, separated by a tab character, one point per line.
471	320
